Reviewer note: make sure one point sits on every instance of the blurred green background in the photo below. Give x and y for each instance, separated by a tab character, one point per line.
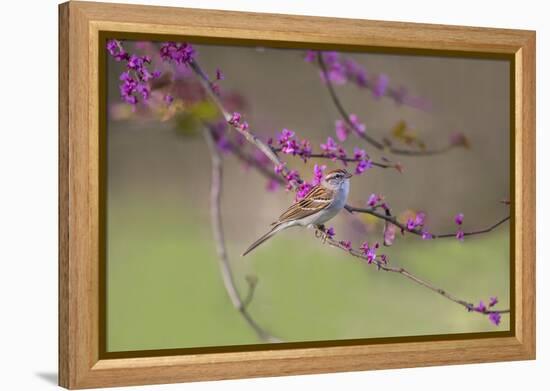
164	289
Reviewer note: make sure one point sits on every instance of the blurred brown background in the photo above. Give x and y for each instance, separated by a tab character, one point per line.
158	183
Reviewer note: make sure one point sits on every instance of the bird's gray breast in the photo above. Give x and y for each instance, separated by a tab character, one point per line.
336	206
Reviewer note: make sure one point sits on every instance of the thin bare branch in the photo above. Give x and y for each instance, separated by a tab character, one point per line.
372	141
248	135
341	158
394	269
252	162
252	283
393	220
219	239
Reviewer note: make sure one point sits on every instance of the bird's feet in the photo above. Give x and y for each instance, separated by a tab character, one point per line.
321	232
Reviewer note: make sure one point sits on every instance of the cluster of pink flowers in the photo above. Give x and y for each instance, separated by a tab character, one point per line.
115	49
135	80
377	201
291	146
369	251
304	187
293	180
374	199
331	149
341	70
426	235
178	53
318	174
459	219
235	121
416	222
346	244
343	129
494	317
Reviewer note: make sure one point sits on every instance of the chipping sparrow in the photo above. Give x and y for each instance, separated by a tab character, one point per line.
320	204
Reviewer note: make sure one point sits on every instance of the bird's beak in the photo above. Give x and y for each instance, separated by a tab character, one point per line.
348	175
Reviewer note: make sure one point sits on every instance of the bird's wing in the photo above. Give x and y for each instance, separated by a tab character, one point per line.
318	198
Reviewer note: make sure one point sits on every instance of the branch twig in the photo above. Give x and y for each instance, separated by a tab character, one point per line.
393	220
393	269
225	267
375	143
340	158
248	135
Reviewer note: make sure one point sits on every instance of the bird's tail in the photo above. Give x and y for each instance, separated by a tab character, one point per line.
268	235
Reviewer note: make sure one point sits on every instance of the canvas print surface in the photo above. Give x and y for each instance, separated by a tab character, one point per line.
376	187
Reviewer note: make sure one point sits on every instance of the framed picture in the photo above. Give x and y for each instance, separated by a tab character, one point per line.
248	195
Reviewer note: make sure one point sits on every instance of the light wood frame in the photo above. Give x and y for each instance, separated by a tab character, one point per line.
79	163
